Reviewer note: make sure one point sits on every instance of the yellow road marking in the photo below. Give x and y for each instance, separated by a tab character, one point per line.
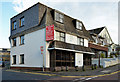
65	76
94	75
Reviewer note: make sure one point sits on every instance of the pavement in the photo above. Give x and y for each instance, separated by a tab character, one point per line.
73	73
104	74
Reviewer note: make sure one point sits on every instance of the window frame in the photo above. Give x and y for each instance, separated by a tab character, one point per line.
13	62
59	37
23	42
13	24
79	25
81	41
14	42
59	17
22	61
23	23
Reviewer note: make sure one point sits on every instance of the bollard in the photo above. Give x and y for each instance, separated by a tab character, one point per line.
95	66
66	68
83	68
61	68
92	67
76	68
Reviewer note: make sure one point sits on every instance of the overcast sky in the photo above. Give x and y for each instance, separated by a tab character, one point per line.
93	13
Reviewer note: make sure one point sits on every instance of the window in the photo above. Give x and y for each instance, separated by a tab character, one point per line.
60	36
79	25
59	17
22	59
14	42
14	25
14	59
102	42
64	58
22	21
22	39
81	41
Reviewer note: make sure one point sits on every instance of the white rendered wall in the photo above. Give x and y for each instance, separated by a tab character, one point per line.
78	59
71	39
85	42
31	50
103	33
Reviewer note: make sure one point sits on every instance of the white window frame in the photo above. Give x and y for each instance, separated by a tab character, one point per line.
60	36
80	41
79	25
59	17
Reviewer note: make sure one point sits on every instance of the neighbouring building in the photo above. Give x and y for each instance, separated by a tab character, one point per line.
44	37
102	41
5	54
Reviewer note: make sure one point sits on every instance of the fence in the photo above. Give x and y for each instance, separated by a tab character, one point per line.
106	62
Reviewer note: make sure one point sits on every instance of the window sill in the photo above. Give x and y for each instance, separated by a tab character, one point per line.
59	22
13	64
13	29
21	63
21	44
13	46
21	26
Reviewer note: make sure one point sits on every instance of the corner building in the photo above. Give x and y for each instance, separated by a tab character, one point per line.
44	37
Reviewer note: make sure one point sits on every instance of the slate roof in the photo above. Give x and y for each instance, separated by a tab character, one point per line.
96	30
47	18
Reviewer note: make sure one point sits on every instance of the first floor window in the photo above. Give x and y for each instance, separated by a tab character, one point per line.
22	39
60	36
81	41
14	42
14	59
22	59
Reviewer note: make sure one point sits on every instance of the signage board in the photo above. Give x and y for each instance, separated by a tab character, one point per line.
49	32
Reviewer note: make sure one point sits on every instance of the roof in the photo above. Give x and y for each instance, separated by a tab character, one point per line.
47	18
96	30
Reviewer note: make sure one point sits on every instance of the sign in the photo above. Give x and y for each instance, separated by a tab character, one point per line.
49	33
41	48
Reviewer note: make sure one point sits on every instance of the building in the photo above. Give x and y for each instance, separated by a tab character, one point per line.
42	37
102	41
5	54
4	57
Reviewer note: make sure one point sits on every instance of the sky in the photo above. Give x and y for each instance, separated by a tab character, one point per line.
93	13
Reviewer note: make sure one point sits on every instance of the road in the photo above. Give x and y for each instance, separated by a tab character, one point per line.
16	75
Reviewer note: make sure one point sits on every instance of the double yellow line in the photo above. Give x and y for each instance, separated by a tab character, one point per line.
65	76
92	76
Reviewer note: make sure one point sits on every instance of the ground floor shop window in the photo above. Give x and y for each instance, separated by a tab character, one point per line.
87	59
64	58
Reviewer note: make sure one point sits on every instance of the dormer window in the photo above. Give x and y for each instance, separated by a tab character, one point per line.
79	25
59	17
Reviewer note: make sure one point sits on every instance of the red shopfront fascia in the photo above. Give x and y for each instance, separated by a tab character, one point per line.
49	32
